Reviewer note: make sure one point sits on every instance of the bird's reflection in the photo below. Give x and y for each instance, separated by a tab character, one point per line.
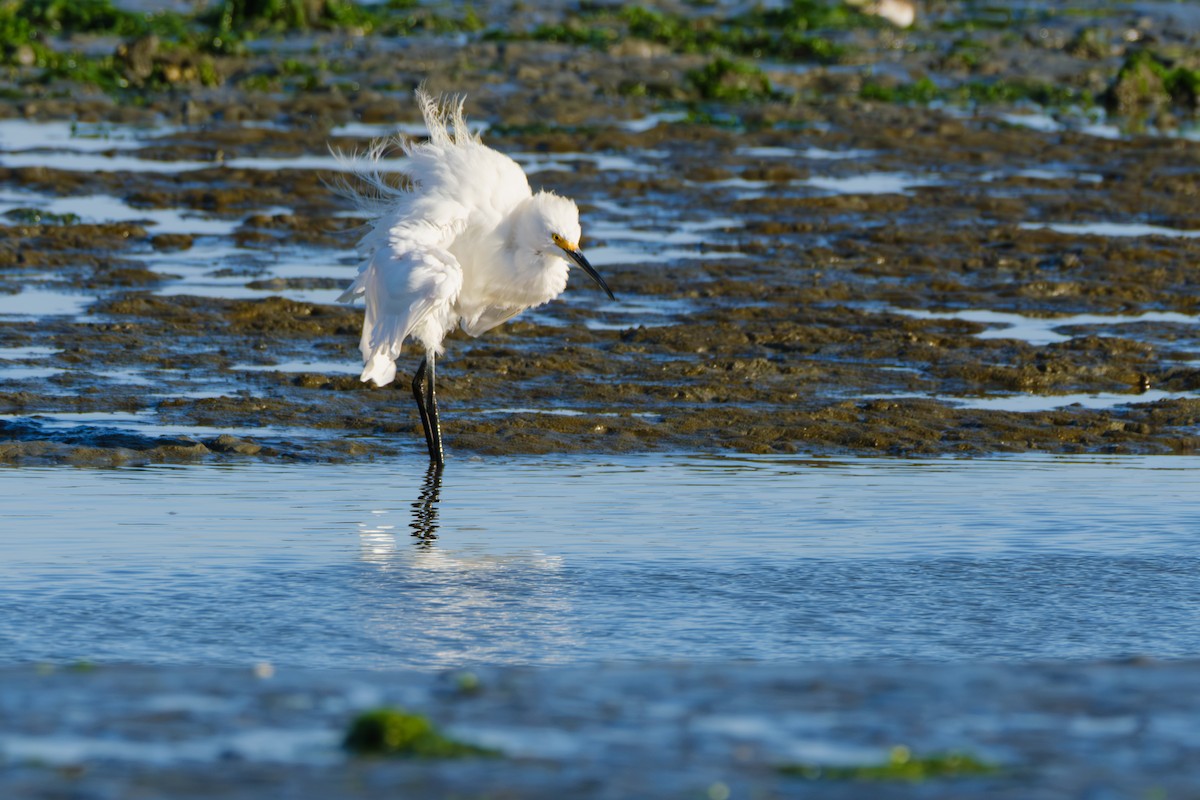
470	599
425	510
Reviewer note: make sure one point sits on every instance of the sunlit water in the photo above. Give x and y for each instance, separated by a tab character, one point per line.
1114	229
584	559
1043	330
1026	402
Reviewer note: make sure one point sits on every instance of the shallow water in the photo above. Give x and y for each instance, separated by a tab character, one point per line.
1110	229
145	423
20	134
1026	402
1042	402
545	560
811	153
871	183
1093	123
1043	330
34	303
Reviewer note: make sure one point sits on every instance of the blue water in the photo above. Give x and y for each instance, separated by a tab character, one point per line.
551	560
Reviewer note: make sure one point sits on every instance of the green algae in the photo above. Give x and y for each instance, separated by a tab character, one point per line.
786	34
574	32
237	17
1147	81
37	216
26	26
924	91
727	80
400	734
176	48
467	683
79	16
901	766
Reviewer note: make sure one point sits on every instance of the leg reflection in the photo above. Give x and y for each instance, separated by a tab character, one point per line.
425	508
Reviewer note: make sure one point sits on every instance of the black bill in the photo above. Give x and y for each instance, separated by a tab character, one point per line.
578	258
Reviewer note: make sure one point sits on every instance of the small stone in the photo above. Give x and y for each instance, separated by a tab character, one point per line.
226	443
137	58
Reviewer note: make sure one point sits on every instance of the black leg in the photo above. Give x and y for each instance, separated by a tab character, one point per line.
433	429
418	390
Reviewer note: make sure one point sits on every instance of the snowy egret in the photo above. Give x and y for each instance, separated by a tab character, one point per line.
468	244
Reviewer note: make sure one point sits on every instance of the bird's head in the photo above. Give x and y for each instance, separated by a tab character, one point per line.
553	229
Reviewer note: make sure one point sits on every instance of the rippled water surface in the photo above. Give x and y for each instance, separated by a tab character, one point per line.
544	560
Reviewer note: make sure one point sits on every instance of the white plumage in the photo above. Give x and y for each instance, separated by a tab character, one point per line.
468	244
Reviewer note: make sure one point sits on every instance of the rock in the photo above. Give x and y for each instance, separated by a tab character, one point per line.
172	241
226	443
136	58
1148	86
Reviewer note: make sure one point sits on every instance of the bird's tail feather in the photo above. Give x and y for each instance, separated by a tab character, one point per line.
387	333
379	370
364	182
355	290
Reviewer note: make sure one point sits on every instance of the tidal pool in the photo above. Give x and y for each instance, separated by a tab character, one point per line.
545	560
1043	330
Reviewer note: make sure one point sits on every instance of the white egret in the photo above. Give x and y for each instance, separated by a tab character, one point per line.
468	244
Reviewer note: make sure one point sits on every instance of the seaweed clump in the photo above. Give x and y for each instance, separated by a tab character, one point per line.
723	79
796	32
901	765
233	16
1147	85
400	734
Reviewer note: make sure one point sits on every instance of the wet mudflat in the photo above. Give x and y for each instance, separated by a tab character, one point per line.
819	268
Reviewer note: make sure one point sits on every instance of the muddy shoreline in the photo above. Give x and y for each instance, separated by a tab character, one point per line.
799	280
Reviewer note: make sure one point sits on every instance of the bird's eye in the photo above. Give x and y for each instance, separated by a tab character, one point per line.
558	240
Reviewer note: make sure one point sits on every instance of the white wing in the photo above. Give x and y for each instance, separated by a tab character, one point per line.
410	282
489	317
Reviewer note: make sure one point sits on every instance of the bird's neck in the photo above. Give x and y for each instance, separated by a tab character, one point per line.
536	277
529	271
